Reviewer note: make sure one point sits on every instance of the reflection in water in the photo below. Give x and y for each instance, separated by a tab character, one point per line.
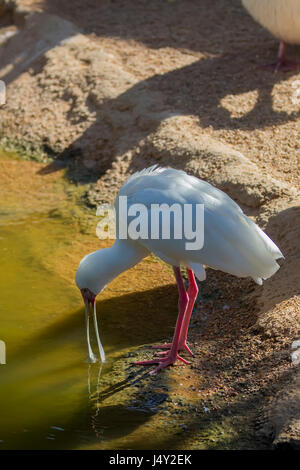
90	383
49	398
94	396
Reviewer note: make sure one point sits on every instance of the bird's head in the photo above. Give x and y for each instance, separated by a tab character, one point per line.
88	295
91	275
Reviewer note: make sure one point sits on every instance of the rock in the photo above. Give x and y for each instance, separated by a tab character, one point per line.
101	113
279	301
41	33
284	416
176	145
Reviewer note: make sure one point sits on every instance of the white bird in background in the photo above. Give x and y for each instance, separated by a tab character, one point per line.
282	19
233	243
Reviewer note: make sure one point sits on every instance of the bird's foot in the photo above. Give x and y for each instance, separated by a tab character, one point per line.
182	347
280	65
162	362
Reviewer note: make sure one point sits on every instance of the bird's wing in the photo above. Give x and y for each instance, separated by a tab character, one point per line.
159	185
168	186
232	242
147	178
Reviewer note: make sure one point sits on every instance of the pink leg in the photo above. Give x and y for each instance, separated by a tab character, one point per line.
281	62
172	355
192	294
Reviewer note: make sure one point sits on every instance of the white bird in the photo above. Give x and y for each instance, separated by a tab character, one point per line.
233	243
282	19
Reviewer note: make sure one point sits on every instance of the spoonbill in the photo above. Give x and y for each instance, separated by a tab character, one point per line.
233	243
282	19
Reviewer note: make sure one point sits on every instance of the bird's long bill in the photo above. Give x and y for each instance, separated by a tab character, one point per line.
91	356
100	347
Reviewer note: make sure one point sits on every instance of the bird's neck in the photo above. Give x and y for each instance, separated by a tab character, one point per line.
122	255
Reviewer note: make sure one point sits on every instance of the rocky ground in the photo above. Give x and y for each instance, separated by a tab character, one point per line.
109	88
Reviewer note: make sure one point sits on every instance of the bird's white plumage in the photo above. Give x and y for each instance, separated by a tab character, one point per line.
280	17
232	242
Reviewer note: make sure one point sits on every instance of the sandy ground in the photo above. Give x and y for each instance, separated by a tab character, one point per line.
114	86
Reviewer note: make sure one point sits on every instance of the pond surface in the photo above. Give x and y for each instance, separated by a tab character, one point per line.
49	397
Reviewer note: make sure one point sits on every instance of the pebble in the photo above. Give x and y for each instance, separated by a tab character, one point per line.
295	356
296	344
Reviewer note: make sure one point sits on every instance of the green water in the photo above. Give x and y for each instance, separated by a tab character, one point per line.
49	397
